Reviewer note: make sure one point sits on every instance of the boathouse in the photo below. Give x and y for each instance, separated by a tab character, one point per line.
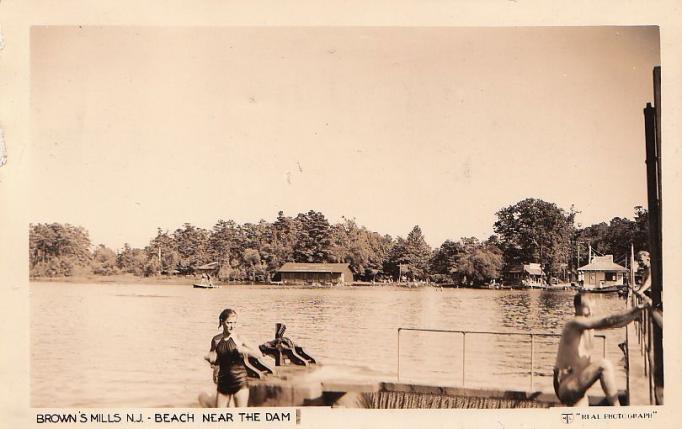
315	273
527	275
211	269
602	272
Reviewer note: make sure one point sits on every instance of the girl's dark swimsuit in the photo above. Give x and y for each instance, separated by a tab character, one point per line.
232	374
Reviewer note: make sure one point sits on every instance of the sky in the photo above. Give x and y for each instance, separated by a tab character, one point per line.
134	128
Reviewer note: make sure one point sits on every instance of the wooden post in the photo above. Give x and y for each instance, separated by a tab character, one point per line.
464	354
398	376
652	126
658	292
632	266
532	352
627	361
577	273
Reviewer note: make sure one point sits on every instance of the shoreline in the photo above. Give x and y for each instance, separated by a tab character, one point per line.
119	278
189	281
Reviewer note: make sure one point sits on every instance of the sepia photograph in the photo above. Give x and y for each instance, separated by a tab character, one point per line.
345	217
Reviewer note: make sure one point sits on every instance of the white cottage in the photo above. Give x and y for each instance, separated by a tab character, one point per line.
602	272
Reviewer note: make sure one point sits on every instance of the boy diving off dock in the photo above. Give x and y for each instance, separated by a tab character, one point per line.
575	370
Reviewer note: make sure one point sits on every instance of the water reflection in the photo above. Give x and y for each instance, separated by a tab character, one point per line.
147	341
557	306
513	309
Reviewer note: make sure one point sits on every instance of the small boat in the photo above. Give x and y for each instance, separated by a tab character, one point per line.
605	289
558	287
205	286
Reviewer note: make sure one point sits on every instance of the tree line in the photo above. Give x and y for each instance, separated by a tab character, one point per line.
531	230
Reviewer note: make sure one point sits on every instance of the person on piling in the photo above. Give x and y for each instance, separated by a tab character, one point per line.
576	370
227	355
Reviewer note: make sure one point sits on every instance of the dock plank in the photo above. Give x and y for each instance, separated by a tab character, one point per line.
639	381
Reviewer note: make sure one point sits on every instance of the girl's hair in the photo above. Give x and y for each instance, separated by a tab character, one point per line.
225	314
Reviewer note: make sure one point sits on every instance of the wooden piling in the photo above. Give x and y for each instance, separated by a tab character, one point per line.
652	126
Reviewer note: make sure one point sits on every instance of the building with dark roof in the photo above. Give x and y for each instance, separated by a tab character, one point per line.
601	272
211	268
315	273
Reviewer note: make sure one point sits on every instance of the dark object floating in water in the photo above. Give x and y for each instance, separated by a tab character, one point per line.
134	295
283	349
605	289
203	286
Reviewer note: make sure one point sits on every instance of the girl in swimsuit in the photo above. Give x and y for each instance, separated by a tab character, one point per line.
227	356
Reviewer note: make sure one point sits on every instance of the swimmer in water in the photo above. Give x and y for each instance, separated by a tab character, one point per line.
227	355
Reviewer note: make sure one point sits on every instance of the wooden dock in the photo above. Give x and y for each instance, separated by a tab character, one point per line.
312	386
638	368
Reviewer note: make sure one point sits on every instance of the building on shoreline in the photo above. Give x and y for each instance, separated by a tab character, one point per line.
211	269
527	275
315	273
602	272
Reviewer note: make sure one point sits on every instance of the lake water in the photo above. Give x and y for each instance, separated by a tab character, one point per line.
142	345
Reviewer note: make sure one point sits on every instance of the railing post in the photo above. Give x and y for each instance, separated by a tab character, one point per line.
464	334
398	377
639	327
645	344
627	364
464	350
532	350
650	357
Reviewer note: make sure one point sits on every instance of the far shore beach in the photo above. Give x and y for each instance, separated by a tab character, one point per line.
190	280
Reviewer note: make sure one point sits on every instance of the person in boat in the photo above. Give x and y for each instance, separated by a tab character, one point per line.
227	354
576	370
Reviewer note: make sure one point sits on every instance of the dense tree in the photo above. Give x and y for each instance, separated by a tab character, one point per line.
468	261
58	250
259	238
284	235
613	238
314	240
192	247
224	245
479	265
446	258
412	252
381	247
351	244
137	261
641	235
253	264
104	261
533	230
529	231
164	245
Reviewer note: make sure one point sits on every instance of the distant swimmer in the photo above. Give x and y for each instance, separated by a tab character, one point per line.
576	370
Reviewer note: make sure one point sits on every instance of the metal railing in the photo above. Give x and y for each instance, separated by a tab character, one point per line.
643	329
464	336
